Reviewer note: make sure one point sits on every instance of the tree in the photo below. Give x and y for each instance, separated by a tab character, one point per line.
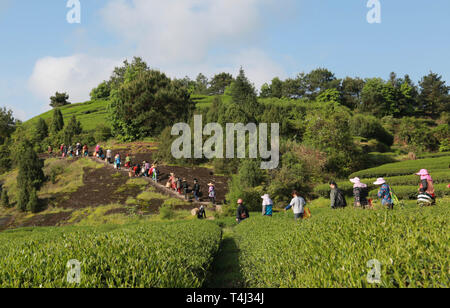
219	83
5	158
103	91
377	97
147	103
30	176
72	129
57	121
41	130
295	88
201	84
245	100
434	95
7	124
351	89
328	130
277	88
59	100
118	75
319	80
266	91
4	200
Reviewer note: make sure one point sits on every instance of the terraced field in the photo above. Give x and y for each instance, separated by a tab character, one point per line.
162	255
401	176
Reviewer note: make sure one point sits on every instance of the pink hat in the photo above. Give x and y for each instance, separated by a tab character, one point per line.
355	180
423	172
240	201
380	181
358	183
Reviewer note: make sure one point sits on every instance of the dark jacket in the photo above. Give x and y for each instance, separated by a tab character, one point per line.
196	188
361	195
337	199
242	212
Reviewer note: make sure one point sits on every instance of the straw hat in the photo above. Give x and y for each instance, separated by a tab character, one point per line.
210	184
380	181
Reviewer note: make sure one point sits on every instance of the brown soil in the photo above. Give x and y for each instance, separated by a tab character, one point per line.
100	188
203	175
47	220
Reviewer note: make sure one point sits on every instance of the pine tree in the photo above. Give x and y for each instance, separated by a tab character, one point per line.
30	177
73	129
41	130
33	203
57	121
4	200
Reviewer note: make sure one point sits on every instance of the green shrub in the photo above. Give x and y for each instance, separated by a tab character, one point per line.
4	200
405	168
332	249
166	212
411	192
150	255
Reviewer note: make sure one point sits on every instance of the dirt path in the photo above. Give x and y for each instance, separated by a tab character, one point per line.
163	179
226	272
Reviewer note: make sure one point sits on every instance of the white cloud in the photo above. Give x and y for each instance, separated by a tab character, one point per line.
76	75
186	37
180	31
179	37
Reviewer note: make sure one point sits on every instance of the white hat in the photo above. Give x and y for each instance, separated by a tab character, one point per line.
380	181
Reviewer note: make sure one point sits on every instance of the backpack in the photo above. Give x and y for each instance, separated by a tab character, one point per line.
394	198
340	199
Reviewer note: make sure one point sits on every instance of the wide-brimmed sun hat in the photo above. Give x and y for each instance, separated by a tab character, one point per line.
210	184
266	196
380	181
355	180
423	172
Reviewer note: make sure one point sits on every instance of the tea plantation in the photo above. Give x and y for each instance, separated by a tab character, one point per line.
401	177
168	255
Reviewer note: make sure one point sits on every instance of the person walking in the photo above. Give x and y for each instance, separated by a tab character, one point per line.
298	205
267	206
185	186
86	151
118	161
360	192
196	190
426	188
109	156
385	193
337	197
212	193
241	212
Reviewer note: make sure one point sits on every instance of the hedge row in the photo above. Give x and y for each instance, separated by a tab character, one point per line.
411	192
409	167
441	177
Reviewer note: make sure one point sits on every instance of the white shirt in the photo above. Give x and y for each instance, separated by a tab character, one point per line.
298	204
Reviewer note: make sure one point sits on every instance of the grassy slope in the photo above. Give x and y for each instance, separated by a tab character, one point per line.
90	114
401	176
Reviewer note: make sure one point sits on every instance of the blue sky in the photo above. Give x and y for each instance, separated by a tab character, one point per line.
42	53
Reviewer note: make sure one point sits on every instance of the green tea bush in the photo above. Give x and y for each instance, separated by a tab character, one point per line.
411	192
405	168
332	249
154	255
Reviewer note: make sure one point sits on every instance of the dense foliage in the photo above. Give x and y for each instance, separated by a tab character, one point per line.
333	249
154	255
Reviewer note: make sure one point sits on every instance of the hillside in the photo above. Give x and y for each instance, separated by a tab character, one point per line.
90	114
